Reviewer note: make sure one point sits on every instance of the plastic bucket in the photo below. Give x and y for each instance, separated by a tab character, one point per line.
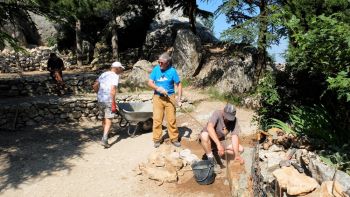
203	172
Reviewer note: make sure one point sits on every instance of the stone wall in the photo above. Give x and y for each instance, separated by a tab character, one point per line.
32	60
42	84
44	110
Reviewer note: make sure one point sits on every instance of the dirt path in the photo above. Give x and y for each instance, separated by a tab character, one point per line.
67	160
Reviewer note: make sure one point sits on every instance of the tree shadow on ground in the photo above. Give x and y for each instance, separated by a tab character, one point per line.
40	152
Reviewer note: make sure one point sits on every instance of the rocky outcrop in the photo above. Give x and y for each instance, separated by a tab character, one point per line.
187	53
139	75
228	73
163	32
46	29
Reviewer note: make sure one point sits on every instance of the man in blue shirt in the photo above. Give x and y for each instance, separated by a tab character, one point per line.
162	80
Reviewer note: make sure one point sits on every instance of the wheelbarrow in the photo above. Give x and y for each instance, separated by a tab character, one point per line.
135	116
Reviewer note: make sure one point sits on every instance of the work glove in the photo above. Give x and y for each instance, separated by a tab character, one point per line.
162	91
114	106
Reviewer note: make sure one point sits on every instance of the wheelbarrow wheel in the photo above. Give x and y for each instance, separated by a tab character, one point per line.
132	132
123	122
146	126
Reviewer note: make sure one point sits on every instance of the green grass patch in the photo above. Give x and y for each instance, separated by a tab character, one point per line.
229	97
185	82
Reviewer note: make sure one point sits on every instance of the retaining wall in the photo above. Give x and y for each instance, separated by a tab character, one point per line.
26	112
42	84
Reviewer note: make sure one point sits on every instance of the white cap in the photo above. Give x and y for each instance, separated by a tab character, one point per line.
117	64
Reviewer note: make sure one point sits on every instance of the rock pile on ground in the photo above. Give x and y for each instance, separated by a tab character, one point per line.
291	164
166	164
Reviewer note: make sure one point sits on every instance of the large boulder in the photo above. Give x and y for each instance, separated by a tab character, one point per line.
322	172
328	189
187	53
229	69
163	32
140	74
46	29
293	182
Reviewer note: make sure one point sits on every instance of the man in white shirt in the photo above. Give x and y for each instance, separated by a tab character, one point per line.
106	88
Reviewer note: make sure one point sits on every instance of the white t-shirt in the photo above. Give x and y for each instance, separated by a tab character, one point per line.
106	81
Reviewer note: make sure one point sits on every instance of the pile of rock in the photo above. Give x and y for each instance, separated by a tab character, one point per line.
166	164
31	60
307	175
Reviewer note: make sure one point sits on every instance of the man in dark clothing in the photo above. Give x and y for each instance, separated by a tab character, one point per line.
55	66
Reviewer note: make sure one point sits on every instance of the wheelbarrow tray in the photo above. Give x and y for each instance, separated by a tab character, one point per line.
136	112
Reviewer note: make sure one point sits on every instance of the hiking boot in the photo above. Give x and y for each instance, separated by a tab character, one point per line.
156	144
104	143
176	143
217	168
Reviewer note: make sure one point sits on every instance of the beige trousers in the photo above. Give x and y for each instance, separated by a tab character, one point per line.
163	104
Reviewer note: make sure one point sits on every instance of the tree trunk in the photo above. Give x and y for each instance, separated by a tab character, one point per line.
78	42
262	54
192	15
114	41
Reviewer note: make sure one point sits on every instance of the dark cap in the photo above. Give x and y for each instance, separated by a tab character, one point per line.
229	112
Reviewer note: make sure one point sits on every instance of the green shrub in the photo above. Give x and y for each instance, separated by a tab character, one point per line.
311	121
51	41
341	84
270	101
338	157
282	125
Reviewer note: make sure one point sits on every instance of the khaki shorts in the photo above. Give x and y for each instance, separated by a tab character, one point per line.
221	139
105	110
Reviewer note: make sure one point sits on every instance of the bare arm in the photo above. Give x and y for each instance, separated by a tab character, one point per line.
113	92
179	90
235	145
152	85
95	86
214	137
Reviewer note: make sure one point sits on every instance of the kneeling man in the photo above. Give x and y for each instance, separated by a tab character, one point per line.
213	135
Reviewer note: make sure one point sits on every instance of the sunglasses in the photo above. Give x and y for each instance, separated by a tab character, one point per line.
162	62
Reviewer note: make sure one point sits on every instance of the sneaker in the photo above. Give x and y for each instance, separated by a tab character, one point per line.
156	144
217	168
104	142
176	143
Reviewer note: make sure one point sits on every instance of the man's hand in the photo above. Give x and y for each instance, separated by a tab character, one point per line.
162	91
240	159
221	149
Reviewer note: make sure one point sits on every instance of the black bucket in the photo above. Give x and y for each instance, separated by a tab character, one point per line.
203	172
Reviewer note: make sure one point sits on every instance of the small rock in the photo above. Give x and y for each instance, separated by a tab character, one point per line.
275	148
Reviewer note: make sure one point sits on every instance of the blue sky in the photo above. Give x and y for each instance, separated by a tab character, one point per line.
220	25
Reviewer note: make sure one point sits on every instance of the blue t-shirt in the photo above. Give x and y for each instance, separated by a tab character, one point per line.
165	78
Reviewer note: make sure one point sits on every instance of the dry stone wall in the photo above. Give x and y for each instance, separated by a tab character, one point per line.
44	110
32	60
36	85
